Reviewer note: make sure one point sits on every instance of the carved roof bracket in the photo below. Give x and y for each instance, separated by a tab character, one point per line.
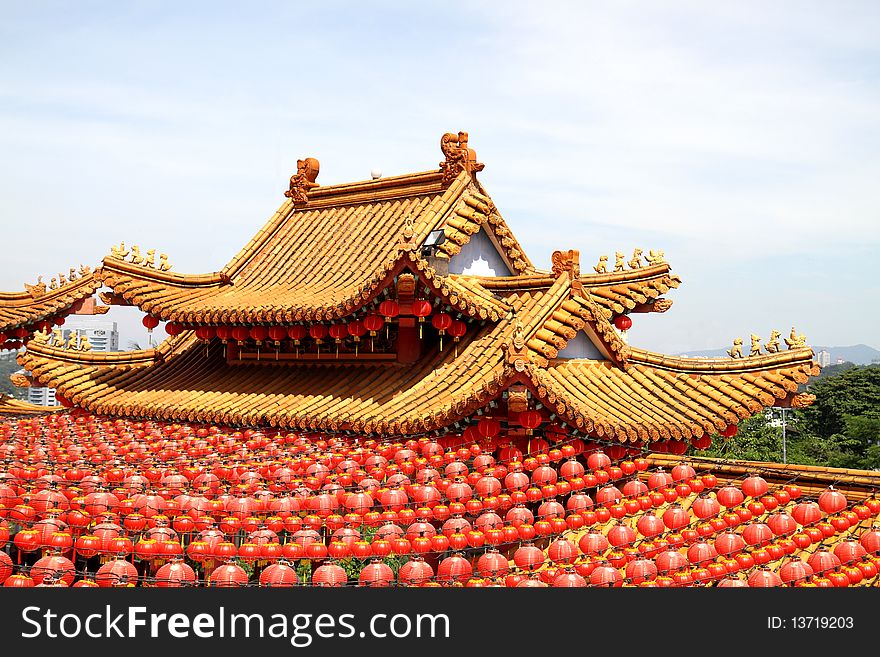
516	351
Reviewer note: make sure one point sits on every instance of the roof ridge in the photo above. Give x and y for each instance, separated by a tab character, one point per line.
798	356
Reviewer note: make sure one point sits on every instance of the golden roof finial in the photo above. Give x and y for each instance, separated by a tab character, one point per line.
136	258
84	270
163	262
602	267
119	252
794	341
53	284
737	350
636	261
71	340
655	257
36	290
619	261
408	230
755	349
150	260
772	345
40	337
62	280
84	344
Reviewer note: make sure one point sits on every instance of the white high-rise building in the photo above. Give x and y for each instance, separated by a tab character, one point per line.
824	358
102	334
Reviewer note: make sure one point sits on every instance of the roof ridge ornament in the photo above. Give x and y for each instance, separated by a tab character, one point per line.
568	262
795	341
303	181
458	157
516	351
407	243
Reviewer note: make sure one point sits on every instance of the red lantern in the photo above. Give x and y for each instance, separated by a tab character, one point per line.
832	501
150	322
204	333
173	328
623	322
729	431
116	573
175	574
318	332
530	419
389	308
457	330
277	334
421	309
442	322
338	332
356	329
488	427
224	332
240	334
297	333
228	576
329	575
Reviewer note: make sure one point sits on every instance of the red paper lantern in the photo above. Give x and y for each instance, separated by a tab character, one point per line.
389	308
442	322
277	334
297	332
530	419
623	322
173	328
832	501
488	427
729	431
150	322
240	334
421	309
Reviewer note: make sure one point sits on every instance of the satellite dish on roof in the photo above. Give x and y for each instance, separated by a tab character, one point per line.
376	173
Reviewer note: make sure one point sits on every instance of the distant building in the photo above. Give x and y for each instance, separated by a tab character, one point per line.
42	396
839	361
824	358
102	334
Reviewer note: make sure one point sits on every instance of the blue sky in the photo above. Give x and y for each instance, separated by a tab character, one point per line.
743	140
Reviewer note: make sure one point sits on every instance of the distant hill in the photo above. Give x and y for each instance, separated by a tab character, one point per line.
860	354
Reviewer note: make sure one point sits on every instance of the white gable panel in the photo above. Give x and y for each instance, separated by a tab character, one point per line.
479	257
581	347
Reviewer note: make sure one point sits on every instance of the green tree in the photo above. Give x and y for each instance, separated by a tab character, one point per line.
854	392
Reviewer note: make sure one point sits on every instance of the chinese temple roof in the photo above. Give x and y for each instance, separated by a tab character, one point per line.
39	303
332	253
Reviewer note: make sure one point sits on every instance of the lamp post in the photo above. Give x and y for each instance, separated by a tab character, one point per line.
784	451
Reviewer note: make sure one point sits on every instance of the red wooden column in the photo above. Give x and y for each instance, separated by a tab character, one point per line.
409	346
